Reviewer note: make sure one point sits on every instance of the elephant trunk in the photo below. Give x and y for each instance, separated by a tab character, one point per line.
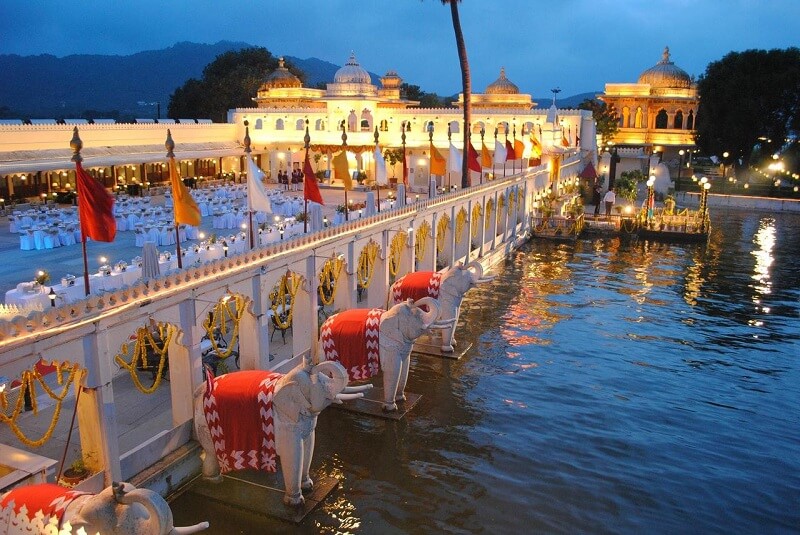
429	317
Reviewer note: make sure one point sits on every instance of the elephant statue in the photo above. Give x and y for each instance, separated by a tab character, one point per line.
117	510
367	341
447	287
245	419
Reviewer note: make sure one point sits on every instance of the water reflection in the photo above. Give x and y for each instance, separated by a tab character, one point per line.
765	240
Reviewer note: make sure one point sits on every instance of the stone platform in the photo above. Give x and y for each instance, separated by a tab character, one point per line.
372	404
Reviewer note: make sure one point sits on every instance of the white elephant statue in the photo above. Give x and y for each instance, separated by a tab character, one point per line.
243	420
119	509
447	287
367	341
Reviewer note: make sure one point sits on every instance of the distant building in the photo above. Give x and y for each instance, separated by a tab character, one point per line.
657	114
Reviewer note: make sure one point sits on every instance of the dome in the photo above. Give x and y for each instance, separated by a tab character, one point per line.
502	86
352	73
281	77
665	74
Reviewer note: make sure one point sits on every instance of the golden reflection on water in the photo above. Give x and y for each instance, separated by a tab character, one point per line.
765	240
340	510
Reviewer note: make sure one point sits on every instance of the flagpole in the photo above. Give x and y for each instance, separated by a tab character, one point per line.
169	144
375	172
449	142
344	150
504	162
247	151
76	145
307	140
405	163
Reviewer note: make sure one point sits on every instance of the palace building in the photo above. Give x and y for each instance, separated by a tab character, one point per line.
657	115
351	110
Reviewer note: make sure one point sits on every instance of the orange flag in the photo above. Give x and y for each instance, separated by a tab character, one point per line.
486	156
186	210
95	208
519	148
438	163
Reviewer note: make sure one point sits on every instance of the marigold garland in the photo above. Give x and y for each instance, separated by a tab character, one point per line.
477	212
282	298
366	264
27	389
396	251
441	233
218	321
489	210
329	279
461	222
423	233
138	357
501	202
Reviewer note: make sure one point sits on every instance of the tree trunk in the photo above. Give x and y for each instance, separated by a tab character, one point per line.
466	88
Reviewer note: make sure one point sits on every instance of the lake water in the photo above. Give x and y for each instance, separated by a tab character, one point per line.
613	387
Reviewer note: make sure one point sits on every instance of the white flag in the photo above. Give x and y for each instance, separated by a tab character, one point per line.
257	198
455	159
500	153
380	168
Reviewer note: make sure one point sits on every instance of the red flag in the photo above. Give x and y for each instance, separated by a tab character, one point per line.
310	187
95	208
473	162
510	154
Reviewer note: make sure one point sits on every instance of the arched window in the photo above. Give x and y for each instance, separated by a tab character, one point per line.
625	120
661	119
502	128
259	124
384	125
638	120
678	122
476	127
366	120
454	127
319	124
279	124
690	121
300	124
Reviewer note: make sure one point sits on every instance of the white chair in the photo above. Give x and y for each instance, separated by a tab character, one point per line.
38	239
51	239
26	242
140	237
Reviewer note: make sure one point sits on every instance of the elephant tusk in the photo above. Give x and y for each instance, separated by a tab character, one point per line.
348	397
485	279
443	324
356	389
189	529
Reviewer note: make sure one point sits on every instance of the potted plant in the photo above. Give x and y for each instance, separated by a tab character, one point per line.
77	471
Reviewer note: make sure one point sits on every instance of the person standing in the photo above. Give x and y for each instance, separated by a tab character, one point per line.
610	198
596	198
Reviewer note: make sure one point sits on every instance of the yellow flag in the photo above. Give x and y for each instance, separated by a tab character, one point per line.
341	170
438	163
536	150
186	210
486	157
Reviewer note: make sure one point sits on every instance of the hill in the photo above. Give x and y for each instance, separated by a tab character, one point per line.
46	86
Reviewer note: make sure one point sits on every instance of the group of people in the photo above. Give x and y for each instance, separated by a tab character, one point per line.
608	199
291	183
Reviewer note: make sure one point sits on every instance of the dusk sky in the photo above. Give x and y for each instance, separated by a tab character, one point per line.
577	45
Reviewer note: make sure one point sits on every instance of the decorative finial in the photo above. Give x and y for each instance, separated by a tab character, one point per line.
483	133
502	72
344	135
495	133
555	91
247	149
307	137
281	63
76	145
449	132
665	55
376	135
403	133
170	145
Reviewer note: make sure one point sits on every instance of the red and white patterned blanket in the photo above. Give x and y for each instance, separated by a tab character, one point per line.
352	338
416	286
238	409
51	500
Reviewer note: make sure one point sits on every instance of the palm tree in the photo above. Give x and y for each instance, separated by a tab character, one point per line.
466	87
